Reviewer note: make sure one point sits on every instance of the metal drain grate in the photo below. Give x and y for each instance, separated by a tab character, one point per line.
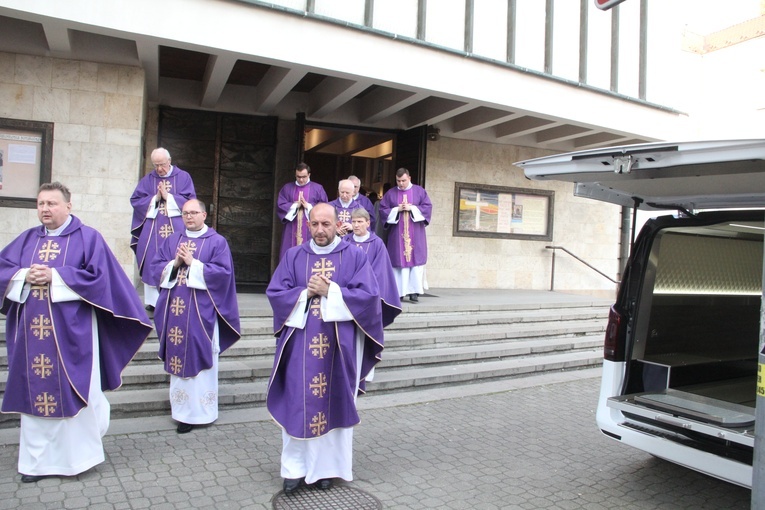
338	497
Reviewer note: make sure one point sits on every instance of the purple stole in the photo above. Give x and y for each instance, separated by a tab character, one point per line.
301	232
45	381
406	239
183	356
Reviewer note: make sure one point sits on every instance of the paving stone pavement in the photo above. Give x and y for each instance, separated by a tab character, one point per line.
528	445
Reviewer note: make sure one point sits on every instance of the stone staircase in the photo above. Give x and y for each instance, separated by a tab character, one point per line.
435	343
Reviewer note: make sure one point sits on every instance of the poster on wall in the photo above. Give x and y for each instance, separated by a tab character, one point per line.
494	211
25	160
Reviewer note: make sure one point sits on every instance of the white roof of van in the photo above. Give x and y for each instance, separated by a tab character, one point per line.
662	175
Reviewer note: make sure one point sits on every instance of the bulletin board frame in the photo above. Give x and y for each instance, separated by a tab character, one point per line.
26	156
482	210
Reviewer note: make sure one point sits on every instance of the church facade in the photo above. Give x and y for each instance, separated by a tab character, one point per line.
241	91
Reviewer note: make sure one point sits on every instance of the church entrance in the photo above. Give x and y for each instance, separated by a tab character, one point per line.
335	152
231	159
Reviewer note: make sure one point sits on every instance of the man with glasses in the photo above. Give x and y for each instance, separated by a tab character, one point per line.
294	203
197	315
157	202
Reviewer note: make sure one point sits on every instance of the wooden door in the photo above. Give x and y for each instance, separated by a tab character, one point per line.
231	159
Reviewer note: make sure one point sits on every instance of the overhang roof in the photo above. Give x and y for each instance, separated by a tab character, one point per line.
232	56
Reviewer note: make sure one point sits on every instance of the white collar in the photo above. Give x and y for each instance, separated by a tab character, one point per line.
57	231
362	238
323	250
197	233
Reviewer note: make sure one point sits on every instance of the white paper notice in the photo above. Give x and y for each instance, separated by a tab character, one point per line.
22	154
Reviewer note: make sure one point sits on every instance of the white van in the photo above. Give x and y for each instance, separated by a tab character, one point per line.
681	349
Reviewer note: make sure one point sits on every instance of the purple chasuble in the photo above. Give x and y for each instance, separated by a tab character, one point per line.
50	344
149	233
407	245
370	208
186	317
295	231
344	213
313	381
377	254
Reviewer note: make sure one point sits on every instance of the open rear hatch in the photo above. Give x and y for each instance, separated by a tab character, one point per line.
686	175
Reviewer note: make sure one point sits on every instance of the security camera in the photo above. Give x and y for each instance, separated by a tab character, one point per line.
434	134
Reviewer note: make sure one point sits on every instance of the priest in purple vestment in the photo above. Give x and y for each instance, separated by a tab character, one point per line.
197	315
363	200
74	322
328	323
377	254
157	203
344	204
293	205
406	211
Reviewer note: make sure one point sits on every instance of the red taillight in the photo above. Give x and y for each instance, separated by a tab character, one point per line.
613	347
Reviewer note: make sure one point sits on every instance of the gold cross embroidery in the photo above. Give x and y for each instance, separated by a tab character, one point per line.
41	327
168	185
344	215
163	208
46	404
165	231
49	251
316	306
175	365
318	423
324	268
175	335
319	346
318	385
40	292
41	366
182	275
178	306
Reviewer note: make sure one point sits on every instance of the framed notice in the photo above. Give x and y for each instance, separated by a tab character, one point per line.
482	210
26	153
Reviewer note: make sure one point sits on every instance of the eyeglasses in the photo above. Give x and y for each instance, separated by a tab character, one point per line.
188	214
161	165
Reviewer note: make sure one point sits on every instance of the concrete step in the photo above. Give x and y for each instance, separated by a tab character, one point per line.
462	373
257	342
258	323
154	401
437	343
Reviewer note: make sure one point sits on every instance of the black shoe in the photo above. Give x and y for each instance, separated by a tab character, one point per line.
32	478
149	308
414	298
291	485
184	428
324	483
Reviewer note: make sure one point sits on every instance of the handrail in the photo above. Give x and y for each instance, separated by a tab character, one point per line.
552	276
